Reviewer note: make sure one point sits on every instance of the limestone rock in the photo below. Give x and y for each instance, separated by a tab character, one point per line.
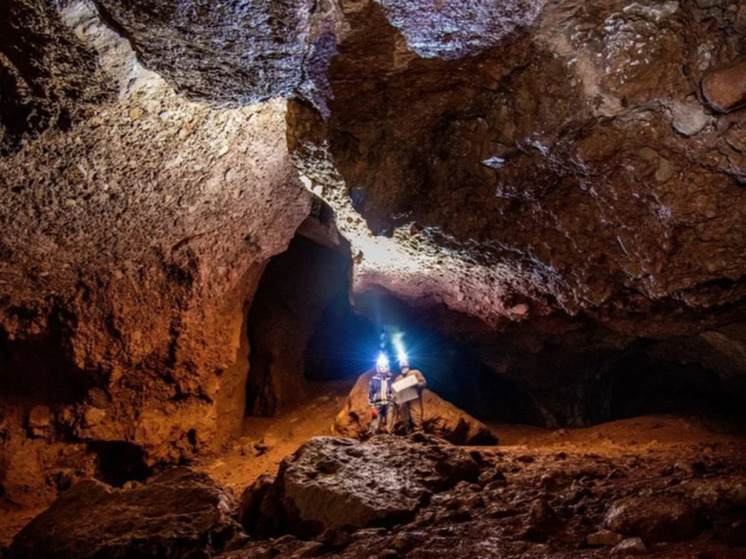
725	89
654	519
178	514
441	418
332	483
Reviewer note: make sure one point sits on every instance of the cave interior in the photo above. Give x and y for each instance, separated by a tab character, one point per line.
216	215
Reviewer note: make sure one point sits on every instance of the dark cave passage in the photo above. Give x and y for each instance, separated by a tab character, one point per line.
303	328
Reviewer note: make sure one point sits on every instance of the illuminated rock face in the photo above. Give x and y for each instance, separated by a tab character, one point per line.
573	180
551	166
134	234
576	168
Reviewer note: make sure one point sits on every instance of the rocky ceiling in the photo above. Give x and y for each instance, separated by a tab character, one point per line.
548	165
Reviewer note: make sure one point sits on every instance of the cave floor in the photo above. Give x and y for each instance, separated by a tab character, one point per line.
265	441
648	454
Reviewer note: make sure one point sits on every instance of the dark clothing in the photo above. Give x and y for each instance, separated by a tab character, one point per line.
379	391
381	399
387	413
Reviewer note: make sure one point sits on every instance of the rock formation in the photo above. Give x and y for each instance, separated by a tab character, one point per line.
178	514
333	483
393	496
442	419
548	181
135	229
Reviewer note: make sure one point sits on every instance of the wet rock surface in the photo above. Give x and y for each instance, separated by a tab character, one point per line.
441	418
177	514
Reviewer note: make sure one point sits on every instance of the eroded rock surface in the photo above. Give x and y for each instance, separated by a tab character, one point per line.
177	514
333	483
525	503
566	167
135	229
654	519
441	418
528	164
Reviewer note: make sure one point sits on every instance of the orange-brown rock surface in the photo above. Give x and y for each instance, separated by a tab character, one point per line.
543	179
135	229
178	514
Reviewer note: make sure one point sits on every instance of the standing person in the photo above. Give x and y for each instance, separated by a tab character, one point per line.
411	412
381	399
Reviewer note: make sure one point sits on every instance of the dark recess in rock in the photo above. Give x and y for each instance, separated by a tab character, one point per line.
120	462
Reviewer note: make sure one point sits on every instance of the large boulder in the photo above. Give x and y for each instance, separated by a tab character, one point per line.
334	483
178	514
669	519
441	418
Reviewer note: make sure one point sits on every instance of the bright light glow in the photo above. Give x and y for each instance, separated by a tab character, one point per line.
398	342
383	361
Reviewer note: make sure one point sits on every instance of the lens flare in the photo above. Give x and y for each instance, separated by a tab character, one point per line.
398	342
382	361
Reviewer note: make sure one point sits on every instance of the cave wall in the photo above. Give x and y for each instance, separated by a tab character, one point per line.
136	225
577	168
556	174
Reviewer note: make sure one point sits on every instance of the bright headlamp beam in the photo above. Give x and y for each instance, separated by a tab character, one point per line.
382	361
401	354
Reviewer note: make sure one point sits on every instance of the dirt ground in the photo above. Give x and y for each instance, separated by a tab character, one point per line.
266	441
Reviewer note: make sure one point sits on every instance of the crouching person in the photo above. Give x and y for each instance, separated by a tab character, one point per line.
382	407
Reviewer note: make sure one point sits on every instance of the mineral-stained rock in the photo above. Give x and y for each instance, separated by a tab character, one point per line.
725	89
654	519
334	483
441	418
178	514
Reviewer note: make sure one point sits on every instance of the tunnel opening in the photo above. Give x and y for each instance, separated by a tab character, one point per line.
305	327
644	381
291	300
